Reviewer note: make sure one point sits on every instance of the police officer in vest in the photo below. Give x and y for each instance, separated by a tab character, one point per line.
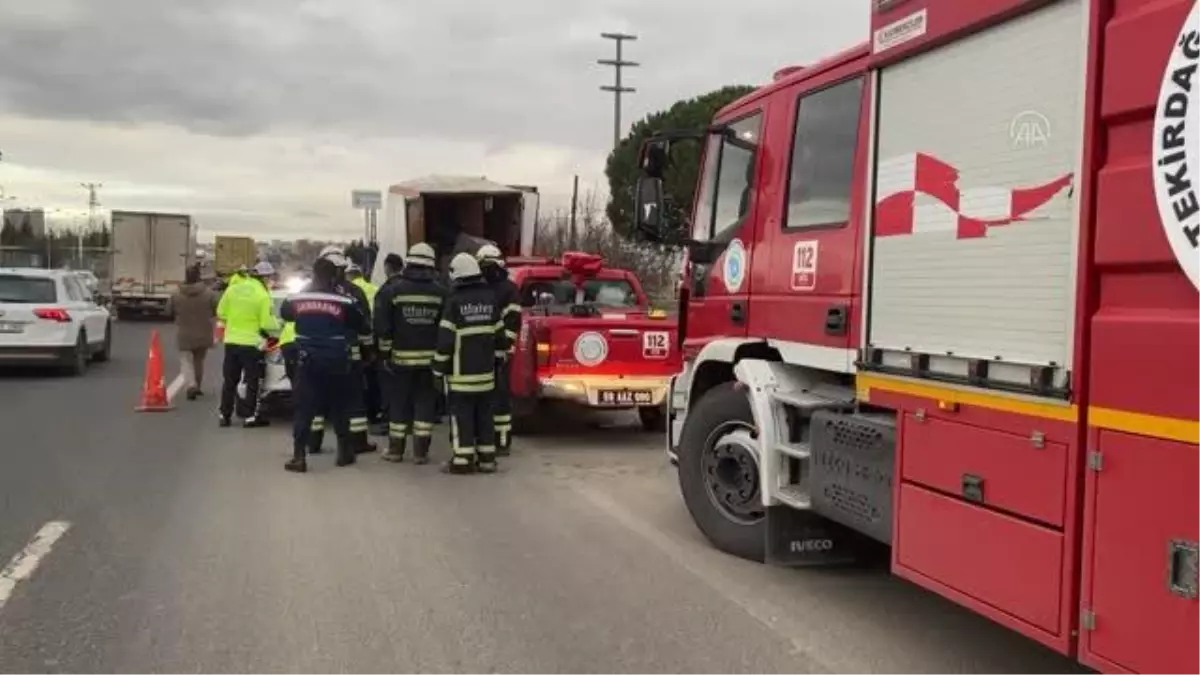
406	325
358	424
470	341
248	313
491	262
326	321
371	392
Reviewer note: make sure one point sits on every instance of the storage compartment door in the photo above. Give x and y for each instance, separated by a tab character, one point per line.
975	221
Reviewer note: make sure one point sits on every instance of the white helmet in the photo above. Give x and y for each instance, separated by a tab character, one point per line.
264	269
464	265
353	268
335	255
421	255
490	253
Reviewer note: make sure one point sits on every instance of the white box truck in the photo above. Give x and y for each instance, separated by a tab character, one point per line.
151	252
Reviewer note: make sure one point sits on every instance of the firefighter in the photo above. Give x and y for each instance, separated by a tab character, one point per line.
325	320
370	361
393	264
491	262
406	324
470	341
248	314
358	425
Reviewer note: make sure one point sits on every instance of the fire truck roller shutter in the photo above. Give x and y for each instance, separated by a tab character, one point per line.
976	214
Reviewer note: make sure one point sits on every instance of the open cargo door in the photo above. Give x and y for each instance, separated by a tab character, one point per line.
394	237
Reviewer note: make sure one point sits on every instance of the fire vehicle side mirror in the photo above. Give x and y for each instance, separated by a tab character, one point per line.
649	206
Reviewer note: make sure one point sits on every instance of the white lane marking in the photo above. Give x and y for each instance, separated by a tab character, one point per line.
25	562
174	387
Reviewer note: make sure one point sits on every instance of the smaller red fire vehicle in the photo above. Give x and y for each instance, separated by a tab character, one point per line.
589	337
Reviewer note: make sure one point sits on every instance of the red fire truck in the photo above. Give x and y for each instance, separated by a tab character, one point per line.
941	294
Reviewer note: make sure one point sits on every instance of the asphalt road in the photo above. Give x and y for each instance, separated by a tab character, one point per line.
191	550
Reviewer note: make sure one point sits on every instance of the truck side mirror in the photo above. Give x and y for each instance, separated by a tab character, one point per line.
654	156
649	206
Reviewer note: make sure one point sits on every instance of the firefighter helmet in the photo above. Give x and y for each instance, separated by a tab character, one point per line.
264	269
464	266
490	253
421	255
334	255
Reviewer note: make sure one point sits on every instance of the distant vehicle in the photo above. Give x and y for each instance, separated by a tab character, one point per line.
151	253
49	318
232	252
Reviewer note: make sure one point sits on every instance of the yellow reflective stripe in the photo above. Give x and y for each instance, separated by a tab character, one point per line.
417	299
419	361
441	357
477	330
501	353
472	388
502	418
514	307
511	334
418	424
414	353
385	345
448	325
1154	426
365	339
479	377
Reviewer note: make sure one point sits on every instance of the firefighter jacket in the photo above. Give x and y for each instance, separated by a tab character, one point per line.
508	298
408	311
324	323
470	338
363	336
248	313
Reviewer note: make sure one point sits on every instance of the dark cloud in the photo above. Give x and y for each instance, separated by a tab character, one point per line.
497	73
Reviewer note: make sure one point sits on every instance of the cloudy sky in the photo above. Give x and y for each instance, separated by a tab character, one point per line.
260	116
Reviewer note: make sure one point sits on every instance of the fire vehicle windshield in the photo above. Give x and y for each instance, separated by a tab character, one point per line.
599	292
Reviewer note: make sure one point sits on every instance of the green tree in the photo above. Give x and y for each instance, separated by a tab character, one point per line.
679	185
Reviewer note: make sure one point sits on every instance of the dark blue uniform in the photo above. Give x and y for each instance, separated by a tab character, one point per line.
324	323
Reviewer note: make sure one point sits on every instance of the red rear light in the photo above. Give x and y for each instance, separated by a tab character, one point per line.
52	314
541	339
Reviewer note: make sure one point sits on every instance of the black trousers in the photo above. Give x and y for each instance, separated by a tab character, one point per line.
372	393
411	409
241	361
502	404
472	431
291	353
319	390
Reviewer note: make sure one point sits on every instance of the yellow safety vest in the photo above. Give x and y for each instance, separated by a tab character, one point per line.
369	289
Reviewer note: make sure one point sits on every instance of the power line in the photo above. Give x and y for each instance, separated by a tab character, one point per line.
617	87
93	201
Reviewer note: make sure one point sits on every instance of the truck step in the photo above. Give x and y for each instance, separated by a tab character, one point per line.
795	497
796	450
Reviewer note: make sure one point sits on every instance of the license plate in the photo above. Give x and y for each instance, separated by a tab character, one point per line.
11	327
624	397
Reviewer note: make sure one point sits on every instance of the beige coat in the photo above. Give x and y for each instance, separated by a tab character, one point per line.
195	315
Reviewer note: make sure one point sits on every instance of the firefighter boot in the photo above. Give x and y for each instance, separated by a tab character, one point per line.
460	465
345	452
502	444
395	450
315	441
297	464
421	449
362	444
487	462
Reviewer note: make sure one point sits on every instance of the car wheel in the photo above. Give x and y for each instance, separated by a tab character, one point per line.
78	358
105	352
718	473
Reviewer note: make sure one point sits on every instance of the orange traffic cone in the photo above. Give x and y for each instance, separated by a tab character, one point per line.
154	391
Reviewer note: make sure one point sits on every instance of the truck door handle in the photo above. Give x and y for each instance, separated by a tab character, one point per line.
835	320
737	313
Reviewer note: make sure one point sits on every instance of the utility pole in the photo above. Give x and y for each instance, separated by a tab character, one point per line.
93	204
617	87
571	240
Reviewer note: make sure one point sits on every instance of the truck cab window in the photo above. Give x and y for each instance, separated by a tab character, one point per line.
823	152
727	185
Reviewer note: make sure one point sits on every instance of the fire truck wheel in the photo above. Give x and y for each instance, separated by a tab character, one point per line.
718	473
653	418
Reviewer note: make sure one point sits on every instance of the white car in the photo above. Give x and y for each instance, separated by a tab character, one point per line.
48	317
275	388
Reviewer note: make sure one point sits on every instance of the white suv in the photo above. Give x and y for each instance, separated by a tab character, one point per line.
48	317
